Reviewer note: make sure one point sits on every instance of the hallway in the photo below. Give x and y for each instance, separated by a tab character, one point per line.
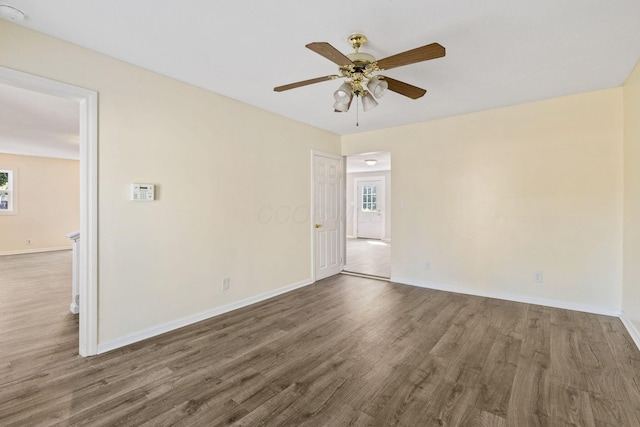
369	256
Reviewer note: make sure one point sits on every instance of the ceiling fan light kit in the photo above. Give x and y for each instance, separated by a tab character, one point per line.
359	69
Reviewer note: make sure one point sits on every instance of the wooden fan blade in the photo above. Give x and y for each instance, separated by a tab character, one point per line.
304	83
403	88
424	53
329	52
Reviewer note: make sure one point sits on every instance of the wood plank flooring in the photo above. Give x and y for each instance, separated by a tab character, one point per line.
345	351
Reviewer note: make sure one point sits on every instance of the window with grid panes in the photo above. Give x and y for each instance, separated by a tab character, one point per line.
6	191
369	198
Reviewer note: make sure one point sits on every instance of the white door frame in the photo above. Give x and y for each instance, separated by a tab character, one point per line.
88	280
356	199
341	238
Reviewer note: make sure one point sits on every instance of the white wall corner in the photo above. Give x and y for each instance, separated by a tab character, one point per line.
179	323
631	328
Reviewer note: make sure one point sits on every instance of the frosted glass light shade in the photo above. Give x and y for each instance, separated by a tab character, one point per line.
377	87
368	102
343	94
341	106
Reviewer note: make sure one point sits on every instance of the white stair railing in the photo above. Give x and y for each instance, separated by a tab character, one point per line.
75	273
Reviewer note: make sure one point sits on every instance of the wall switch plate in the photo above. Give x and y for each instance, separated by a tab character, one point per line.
225	283
537	276
427	265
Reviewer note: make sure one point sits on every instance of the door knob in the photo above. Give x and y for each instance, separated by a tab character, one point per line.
318	225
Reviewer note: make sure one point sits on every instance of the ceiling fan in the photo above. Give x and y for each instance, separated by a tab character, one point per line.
359	68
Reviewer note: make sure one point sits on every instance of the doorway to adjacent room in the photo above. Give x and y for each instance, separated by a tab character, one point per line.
87	101
368	224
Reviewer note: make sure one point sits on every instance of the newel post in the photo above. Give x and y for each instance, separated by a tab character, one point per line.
75	274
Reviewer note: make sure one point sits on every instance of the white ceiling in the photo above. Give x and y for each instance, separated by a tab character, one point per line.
499	52
356	164
36	124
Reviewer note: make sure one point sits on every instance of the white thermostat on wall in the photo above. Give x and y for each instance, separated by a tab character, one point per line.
142	192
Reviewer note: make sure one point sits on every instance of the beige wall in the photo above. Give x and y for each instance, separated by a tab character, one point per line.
488	198
491	197
216	163
631	286
48	205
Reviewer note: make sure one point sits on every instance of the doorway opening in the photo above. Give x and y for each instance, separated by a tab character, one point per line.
87	101
368	224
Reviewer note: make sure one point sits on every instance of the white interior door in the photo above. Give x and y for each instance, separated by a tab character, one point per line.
327	178
370	209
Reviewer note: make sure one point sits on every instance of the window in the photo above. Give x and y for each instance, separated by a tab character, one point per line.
7	184
369	202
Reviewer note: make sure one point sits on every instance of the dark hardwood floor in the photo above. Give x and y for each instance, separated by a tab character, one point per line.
345	351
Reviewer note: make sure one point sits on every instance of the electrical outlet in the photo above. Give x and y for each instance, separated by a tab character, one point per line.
225	283
427	265
28	241
537	276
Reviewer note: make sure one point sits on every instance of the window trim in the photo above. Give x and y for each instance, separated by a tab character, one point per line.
13	191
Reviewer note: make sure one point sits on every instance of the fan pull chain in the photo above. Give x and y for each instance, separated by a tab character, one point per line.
357	110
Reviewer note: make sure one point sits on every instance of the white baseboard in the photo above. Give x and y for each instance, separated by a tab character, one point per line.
33	251
179	323
351	237
160	329
628	324
633	331
509	297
